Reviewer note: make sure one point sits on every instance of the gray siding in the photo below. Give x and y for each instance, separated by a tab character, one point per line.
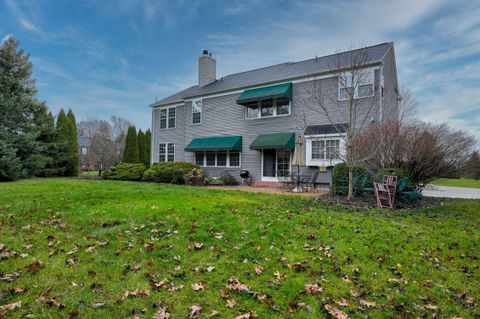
390	102
223	116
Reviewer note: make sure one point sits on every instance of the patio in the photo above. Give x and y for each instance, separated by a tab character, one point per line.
272	190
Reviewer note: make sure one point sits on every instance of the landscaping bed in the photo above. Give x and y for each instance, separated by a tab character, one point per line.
89	249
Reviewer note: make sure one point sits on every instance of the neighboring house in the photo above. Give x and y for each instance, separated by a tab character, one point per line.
249	120
84	144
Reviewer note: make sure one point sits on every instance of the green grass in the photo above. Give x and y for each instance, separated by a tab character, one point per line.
409	263
457	182
89	174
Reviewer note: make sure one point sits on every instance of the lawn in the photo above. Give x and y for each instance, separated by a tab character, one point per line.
457	182
104	249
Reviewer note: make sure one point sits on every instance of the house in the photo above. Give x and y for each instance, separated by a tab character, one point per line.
84	144
250	120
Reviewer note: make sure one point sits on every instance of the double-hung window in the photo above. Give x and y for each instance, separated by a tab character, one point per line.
167	118
197	111
166	152
356	84
324	150
218	158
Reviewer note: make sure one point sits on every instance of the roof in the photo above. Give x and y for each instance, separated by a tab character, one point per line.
326	129
84	141
277	73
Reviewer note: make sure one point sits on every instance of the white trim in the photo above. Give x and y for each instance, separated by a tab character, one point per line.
216	160
355	93
166	152
168	105
152	138
309	161
167	108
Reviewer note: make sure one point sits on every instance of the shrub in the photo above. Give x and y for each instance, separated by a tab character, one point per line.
125	172
228	179
399	172
340	178
168	172
210	180
194	177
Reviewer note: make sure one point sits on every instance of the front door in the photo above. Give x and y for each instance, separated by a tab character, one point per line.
276	163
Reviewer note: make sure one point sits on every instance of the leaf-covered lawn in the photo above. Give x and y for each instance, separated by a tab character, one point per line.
104	249
457	182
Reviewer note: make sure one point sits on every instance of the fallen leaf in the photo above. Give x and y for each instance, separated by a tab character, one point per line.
197	245
343	302
366	304
198	286
213	314
335	312
247	315
259	270
195	311
231	303
35	266
312	289
18	290
210	268
4	309
354	293
99	305
149	246
136	293
161	314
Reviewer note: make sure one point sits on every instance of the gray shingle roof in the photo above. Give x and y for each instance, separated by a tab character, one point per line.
277	73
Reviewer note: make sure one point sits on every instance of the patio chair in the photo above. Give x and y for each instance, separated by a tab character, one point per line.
313	181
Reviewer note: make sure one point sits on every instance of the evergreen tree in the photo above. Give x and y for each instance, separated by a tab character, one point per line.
130	154
65	159
73	170
22	116
141	145
473	166
146	151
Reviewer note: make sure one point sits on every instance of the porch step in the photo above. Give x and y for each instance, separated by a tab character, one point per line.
266	184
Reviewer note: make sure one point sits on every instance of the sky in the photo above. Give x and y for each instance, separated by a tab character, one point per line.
115	57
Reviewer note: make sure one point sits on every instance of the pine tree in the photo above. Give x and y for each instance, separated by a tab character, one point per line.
146	151
130	154
21	114
141	145
473	166
64	160
73	143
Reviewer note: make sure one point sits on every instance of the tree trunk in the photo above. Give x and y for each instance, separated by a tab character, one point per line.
350	183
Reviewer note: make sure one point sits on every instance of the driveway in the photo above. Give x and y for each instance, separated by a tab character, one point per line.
451	192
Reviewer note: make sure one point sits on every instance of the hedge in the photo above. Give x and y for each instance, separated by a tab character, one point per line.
125	172
340	177
168	172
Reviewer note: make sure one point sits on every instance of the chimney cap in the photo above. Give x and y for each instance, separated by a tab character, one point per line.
205	51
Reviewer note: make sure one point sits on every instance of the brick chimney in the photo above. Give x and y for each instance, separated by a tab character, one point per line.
207	68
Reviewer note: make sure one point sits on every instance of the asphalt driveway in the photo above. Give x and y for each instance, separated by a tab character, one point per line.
451	192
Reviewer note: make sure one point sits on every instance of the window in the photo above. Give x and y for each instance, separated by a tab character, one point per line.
162	151
283	163
318	150
199	156
171	117
332	149
267	108
166	152
196	111
167	118
361	86
222	159
84	151
218	159
234	159
171	152
211	158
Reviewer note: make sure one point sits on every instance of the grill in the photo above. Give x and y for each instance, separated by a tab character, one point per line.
245	175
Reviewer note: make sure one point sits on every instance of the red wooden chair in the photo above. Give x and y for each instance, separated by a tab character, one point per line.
391	182
382	193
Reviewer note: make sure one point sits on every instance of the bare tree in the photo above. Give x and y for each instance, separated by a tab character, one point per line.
353	108
88	127
407	106
120	128
102	152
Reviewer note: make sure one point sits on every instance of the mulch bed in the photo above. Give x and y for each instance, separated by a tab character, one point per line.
369	202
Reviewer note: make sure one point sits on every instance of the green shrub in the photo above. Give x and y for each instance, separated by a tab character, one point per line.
228	179
210	180
168	172
125	172
194	177
340	178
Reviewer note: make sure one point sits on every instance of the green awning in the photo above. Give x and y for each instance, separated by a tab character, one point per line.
268	92
215	143
275	140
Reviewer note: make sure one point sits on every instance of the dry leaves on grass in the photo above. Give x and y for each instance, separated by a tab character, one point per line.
162	313
259	270
195	311
366	304
343	302
311	289
248	315
198	286
35	266
4	309
99	305
136	293
335	312
231	303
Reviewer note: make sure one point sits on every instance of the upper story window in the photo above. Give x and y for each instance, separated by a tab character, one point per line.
357	85
167	117
197	111
267	108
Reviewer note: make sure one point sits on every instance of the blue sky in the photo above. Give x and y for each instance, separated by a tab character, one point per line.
104	58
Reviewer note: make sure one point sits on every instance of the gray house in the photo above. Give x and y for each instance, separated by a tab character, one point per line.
250	120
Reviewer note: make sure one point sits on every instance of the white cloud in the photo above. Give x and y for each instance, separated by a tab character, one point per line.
25	21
